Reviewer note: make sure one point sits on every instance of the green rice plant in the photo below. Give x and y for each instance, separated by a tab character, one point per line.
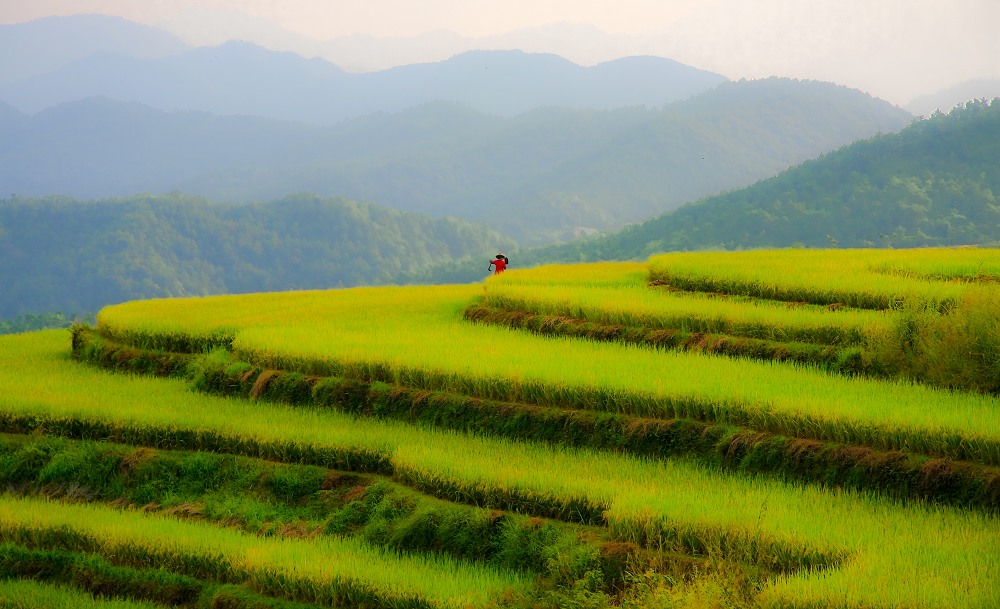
857	550
98	575
395	335
29	594
263	497
319	570
869	279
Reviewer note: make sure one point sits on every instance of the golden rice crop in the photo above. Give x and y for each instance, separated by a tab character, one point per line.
877	279
415	337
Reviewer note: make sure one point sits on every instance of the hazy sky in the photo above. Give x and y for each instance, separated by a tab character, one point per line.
324	19
895	49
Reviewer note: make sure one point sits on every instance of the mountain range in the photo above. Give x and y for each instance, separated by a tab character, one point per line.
44	45
713	37
408	167
540	176
934	183
239	78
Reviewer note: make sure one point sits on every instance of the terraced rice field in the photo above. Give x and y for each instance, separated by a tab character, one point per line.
526	442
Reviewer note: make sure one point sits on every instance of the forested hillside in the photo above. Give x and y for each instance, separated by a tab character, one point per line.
541	177
935	183
61	255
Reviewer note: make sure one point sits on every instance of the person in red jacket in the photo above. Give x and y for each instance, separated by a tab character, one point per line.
499	264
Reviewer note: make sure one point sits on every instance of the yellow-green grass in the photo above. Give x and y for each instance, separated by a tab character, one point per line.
895	555
28	594
415	337
618	293
965	264
866	278
307	565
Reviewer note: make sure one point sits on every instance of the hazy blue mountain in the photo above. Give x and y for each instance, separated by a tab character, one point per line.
935	183
47	44
236	78
541	176
74	257
513	82
945	100
97	148
10	116
239	78
69	58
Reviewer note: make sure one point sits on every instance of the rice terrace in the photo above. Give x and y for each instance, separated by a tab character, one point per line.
769	428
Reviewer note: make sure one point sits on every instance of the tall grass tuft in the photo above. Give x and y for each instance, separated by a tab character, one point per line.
957	350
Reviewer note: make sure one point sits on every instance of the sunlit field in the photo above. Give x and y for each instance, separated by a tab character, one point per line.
619	293
397	335
809	544
871	279
919	556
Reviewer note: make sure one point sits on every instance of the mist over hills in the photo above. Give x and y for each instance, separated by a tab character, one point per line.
50	43
946	99
538	148
935	183
240	78
539	176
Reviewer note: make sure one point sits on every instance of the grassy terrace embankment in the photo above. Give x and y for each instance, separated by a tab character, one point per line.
416	338
838	310
931	555
620	302
325	570
619	444
864	279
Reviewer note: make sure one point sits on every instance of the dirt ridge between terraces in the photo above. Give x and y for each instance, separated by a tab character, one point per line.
905	476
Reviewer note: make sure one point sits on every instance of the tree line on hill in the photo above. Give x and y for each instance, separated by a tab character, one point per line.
74	257
29	322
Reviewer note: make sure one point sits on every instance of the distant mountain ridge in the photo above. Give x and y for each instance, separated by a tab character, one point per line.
945	100
935	183
240	78
539	177
50	43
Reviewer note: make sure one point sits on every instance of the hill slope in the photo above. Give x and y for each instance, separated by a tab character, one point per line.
934	183
75	257
538	176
